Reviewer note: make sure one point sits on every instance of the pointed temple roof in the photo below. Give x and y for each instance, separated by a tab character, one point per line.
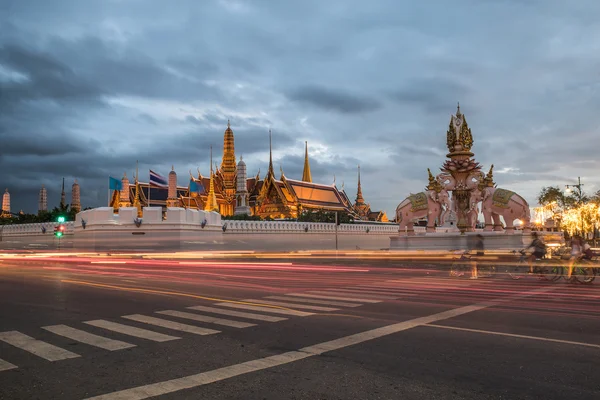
306	175
359	196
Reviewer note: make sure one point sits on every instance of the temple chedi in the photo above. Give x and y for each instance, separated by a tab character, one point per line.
6	204
241	195
306	175
63	196
75	197
124	195
228	170
172	200
43	200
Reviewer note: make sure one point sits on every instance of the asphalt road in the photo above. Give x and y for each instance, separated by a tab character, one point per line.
289	329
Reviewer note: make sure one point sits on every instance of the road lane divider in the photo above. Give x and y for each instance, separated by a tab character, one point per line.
455	328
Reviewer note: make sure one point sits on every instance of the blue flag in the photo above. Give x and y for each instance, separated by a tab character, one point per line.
193	186
114	184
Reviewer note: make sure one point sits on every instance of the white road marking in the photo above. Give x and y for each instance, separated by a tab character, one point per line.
314	301
131	330
342	292
266	309
204	378
88	338
170	324
5	365
37	347
330	297
390	292
206	318
514	335
291	305
240	314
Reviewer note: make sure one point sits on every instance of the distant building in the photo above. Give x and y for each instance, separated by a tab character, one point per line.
63	200
6	204
75	197
43	200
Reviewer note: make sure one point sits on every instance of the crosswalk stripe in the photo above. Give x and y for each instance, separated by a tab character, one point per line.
332	297
356	292
266	309
5	365
291	305
170	324
377	290
37	347
314	301
206	318
88	338
240	314
131	330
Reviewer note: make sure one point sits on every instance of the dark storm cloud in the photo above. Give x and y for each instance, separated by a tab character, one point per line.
433	94
333	100
87	88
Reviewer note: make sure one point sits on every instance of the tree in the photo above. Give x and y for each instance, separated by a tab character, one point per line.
556	201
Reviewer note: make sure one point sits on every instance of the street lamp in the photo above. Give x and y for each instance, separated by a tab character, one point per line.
578	187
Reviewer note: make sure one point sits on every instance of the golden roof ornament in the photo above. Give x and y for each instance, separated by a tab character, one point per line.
433	183
489	178
459	137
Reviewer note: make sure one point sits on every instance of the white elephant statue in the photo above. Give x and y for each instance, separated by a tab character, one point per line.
496	202
428	204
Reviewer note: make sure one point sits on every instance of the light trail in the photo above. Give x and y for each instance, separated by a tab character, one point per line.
167	293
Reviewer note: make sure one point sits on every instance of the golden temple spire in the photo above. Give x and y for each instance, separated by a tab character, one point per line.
270	171
211	199
359	195
136	201
306	175
228	167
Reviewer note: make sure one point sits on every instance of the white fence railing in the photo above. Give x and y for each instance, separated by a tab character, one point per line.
34	229
232	226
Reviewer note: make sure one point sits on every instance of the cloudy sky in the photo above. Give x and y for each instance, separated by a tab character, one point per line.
89	87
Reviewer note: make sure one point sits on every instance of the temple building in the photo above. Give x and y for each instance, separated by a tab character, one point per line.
43	200
228	190
363	209
75	197
6	205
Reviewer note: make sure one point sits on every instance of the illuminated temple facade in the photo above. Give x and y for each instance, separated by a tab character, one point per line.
224	191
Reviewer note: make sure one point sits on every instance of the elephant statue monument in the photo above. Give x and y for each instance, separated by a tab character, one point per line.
496	202
432	204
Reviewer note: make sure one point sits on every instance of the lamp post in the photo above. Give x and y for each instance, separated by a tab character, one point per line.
579	195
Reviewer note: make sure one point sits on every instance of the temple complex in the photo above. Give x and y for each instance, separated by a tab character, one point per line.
228	190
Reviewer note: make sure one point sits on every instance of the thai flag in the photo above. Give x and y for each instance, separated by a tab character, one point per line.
157	180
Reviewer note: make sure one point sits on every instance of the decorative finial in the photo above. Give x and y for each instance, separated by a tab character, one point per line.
334	179
241	157
458	109
433	184
172	167
228	124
